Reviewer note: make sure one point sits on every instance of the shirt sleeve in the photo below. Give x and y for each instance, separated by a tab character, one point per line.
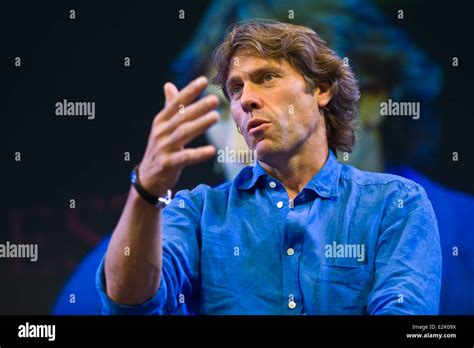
180	267
408	257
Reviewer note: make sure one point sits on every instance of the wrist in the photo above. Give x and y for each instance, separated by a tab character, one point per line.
136	200
142	193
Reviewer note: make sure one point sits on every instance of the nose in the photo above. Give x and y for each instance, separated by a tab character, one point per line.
250	99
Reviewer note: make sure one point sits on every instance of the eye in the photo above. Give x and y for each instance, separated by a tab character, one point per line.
235	90
269	77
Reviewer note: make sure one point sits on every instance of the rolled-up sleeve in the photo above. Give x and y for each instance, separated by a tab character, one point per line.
180	266
408	257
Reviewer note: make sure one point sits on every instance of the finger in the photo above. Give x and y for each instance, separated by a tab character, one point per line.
192	112
188	157
190	130
170	92
183	98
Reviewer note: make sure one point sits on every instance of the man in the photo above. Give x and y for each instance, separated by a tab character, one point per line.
298	233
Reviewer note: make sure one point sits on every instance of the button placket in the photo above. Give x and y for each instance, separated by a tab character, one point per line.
293	238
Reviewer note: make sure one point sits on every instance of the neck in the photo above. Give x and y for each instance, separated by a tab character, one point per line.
296	170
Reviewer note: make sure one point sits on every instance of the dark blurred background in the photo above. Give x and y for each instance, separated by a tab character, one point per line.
82	59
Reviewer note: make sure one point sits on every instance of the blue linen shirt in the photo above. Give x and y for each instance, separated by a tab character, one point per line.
351	242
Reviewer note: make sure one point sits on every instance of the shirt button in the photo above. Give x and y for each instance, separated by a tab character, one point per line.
290	251
292	304
272	184
280	204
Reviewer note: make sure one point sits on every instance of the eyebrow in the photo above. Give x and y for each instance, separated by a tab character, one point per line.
257	72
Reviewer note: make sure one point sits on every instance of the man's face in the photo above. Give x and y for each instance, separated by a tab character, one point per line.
270	104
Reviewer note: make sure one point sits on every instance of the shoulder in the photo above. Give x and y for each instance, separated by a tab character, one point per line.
203	191
387	189
380	181
215	194
400	197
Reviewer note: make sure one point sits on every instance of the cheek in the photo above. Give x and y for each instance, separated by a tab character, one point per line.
237	113
303	118
306	107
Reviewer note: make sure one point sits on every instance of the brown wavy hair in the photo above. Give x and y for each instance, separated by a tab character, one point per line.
306	52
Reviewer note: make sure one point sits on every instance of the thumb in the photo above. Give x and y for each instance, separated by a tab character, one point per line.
170	91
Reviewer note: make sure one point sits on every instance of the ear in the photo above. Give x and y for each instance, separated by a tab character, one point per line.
323	94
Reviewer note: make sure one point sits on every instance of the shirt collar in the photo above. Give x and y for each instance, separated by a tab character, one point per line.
324	183
248	179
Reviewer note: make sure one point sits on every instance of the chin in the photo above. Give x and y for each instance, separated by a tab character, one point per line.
266	150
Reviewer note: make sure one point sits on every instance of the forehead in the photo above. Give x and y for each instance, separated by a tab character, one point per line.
245	61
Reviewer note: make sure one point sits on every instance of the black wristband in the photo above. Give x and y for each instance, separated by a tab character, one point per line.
155	201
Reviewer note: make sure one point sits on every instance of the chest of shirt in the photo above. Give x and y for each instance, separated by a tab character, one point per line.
316	249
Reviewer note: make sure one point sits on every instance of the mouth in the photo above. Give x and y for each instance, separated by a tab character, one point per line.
256	125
